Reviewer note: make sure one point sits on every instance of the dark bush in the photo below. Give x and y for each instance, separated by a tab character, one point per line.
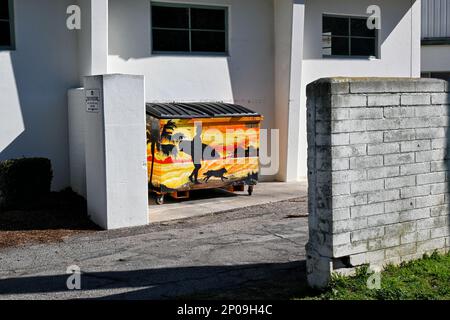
23	181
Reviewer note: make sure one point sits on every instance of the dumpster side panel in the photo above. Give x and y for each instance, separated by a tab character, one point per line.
206	153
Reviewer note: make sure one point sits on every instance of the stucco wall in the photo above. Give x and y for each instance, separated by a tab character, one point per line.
378	172
399	40
246	76
33	85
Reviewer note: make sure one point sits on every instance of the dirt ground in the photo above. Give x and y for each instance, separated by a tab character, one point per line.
59	216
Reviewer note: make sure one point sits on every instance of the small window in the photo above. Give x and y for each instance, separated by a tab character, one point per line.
348	36
6	25
189	29
436	75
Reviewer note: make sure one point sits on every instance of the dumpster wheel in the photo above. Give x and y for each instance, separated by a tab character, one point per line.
160	199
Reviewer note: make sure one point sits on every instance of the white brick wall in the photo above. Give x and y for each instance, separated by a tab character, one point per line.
381	182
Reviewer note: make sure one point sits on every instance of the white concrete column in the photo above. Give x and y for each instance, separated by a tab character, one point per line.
93	37
116	151
289	30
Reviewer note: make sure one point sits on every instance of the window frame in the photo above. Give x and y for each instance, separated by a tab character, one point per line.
10	19
350	56
190	30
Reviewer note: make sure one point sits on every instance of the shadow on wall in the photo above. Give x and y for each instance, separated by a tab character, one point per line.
446	101
169	283
38	74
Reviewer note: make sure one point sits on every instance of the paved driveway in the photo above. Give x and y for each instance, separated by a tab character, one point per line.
231	252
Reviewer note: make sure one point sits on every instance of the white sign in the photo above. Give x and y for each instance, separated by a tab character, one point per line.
93	100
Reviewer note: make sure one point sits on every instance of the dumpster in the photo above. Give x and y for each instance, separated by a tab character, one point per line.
194	146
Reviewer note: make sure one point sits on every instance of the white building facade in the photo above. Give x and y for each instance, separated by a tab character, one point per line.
436	39
258	53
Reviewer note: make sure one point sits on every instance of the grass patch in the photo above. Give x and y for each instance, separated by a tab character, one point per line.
425	279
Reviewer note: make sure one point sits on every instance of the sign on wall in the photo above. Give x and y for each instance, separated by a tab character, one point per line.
93	100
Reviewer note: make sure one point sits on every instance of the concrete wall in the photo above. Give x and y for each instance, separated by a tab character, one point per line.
34	80
378	172
399	41
116	152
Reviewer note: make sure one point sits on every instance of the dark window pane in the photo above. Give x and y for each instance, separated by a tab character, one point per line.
339	47
359	28
4	9
205	41
440	75
336	26
5	34
170	40
169	17
363	47
207	19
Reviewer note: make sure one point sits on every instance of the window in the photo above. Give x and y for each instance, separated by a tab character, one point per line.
6	24
191	29
348	36
437	75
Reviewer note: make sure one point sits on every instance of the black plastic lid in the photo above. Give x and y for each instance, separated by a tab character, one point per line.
198	110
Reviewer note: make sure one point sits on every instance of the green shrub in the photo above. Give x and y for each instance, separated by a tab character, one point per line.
23	181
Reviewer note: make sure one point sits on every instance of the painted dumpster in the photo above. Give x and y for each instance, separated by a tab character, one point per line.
194	146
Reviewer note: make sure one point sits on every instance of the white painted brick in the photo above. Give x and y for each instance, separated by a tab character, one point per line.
348	151
439	143
383	219
431	133
417	145
415	168
383	100
348	100
348	126
399	159
348	176
386	242
399	135
341	238
423	111
415	99
439	166
341	214
399	112
349	249
367	186
400	251
384	172
399	205
400	182
428	178
430	201
433	155
383	196
367	234
440	210
383	148
372	257
340	114
367	210
440	232
339	139
400	228
366	137
434	222
430	245
416	191
366	162
341	189
348	201
340	164
383	124
408	238
412	215
349	225
440	98
366	113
